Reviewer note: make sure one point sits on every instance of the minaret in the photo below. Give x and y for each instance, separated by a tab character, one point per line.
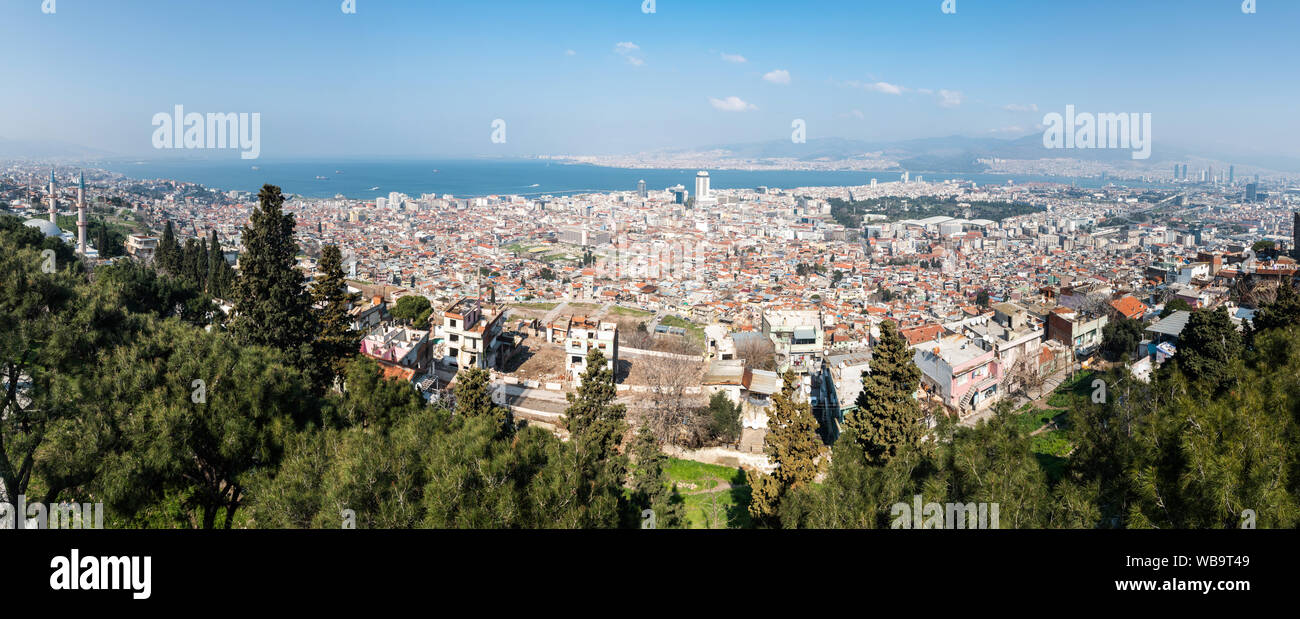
54	201
81	214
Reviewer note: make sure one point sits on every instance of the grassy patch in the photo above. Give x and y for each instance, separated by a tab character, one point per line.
693	331
1027	421
706	505
628	311
1051	449
1077	388
537	306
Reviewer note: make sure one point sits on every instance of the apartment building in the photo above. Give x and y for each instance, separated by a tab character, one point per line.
579	335
1011	331
141	247
470	334
963	372
798	335
1076	330
402	352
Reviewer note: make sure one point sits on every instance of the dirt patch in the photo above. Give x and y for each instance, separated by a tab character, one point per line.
537	361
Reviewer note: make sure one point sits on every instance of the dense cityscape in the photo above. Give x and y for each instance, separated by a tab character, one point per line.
996	288
406	300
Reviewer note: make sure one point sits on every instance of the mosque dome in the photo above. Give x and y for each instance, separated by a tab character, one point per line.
45	226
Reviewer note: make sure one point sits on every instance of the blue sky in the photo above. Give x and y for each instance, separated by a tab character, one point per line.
426	77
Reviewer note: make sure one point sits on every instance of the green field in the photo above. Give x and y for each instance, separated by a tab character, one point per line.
715	496
1077	388
628	311
536	306
1029	419
695	331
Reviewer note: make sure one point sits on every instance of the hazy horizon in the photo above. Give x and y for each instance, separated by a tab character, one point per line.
415	80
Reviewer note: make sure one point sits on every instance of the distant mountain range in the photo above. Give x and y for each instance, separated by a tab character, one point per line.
949	154
47	149
962	154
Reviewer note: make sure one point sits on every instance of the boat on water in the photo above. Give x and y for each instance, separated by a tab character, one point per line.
376	188
322	178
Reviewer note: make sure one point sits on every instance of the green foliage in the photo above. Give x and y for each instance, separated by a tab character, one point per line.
1282	313
1207	346
792	446
474	398
198	414
1175	305
724	418
272	307
888	416
849	214
1120	337
596	427
368	400
336	340
650	488
414	309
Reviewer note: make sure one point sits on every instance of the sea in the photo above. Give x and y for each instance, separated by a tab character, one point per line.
367	179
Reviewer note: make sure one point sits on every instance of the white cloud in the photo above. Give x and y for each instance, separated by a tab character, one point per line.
569	52
736	58
885	87
778	76
631	51
732	104
951	98
1016	107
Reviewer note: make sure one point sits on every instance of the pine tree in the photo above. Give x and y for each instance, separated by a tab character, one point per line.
272	307
596	426
792	444
650	489
1207	345
336	340
214	269
888	416
168	252
1283	312
474	397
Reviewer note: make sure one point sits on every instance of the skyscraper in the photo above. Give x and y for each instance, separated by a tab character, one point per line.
641	190
1250	192
1232	173
1295	235
702	195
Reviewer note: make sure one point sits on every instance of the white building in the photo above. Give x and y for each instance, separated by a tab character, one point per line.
703	195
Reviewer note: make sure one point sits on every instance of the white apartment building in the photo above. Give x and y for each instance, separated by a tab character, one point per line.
579	335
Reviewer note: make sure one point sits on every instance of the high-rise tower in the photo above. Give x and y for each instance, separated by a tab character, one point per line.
702	195
81	213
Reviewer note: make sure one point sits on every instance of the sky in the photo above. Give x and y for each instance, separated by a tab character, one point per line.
407	78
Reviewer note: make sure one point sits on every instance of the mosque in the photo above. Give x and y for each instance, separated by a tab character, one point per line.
51	228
